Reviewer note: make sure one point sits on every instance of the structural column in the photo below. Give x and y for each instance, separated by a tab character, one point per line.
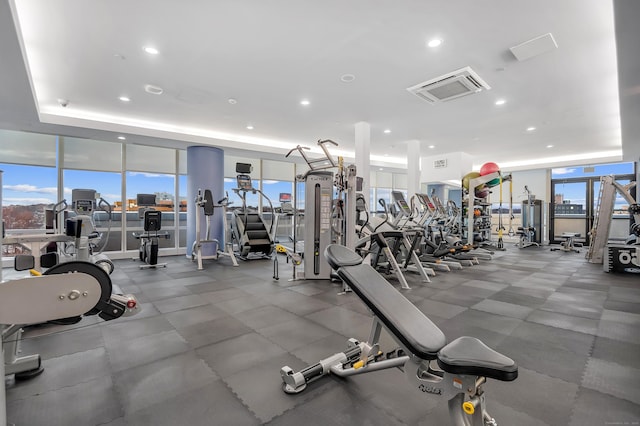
363	148
205	170
413	167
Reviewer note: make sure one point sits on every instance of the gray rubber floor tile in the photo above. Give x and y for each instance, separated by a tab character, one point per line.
313	352
117	332
308	289
621	317
297	303
239	353
440	309
624	294
213	404
566	340
457	296
89	403
132	353
224	294
199	314
241	304
63	371
206	333
265	316
595	408
619	331
159	381
503	308
295	334
623	353
584	310
613	379
64	342
544	358
542	397
505	415
612	305
252	383
155	294
479	319
518	298
181	302
343	321
567	322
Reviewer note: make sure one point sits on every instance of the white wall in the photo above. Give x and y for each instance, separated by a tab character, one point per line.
456	165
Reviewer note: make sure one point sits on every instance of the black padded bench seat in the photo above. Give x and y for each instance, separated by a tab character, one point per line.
465	355
420	336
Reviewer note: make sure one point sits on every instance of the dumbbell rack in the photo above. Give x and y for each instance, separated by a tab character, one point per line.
469	203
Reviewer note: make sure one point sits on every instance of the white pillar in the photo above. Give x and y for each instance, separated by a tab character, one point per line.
413	167
363	145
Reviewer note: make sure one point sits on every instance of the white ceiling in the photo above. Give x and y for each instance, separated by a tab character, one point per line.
270	54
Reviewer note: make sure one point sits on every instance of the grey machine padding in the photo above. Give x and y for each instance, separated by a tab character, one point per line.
468	355
401	317
465	355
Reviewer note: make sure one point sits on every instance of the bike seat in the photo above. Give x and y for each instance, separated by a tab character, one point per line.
468	355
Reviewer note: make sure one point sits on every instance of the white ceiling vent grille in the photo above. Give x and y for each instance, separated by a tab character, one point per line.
450	86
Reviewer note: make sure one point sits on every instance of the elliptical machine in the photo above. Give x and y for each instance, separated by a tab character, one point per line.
204	200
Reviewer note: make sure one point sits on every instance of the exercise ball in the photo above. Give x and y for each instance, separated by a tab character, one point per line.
488	168
468	177
493	182
482	192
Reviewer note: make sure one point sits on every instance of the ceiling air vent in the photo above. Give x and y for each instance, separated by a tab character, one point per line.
450	86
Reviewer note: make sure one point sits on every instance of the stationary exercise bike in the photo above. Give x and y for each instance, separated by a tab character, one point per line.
457	370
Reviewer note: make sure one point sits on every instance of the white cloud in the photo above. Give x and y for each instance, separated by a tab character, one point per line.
563	171
31	188
25	201
270	182
228	180
149	175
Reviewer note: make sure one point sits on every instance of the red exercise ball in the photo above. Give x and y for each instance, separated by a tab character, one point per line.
488	168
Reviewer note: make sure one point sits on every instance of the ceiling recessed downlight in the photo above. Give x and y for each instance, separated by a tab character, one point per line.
305	102
435	42
531	129
381	169
154	90
549	146
232	101
151	50
122	138
249	127
125	99
431	146
387	131
347	78
500	102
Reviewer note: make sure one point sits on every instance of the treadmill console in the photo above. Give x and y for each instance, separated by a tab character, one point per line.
399	200
244	182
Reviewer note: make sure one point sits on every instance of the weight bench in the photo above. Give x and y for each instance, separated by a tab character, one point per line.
568	244
456	370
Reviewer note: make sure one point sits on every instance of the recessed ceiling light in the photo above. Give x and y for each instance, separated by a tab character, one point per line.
347	78
549	146
500	102
387	131
124	98
386	155
434	42
122	138
305	102
232	101
531	129
380	169
151	50
431	146
154	90
249	127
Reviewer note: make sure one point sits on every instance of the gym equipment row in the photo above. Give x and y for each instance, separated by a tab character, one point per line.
456	371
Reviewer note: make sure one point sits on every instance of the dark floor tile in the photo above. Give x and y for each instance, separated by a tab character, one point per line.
132	353
457	296
63	342
566	340
296	333
584	310
192	316
239	353
241	304
619	331
553	405
503	308
265	316
160	381
88	403
440	309
518	298
596	408
181	302
118	332
154	294
623	353
479	319
222	295
613	379
567	322
214	403
206	333
630	307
